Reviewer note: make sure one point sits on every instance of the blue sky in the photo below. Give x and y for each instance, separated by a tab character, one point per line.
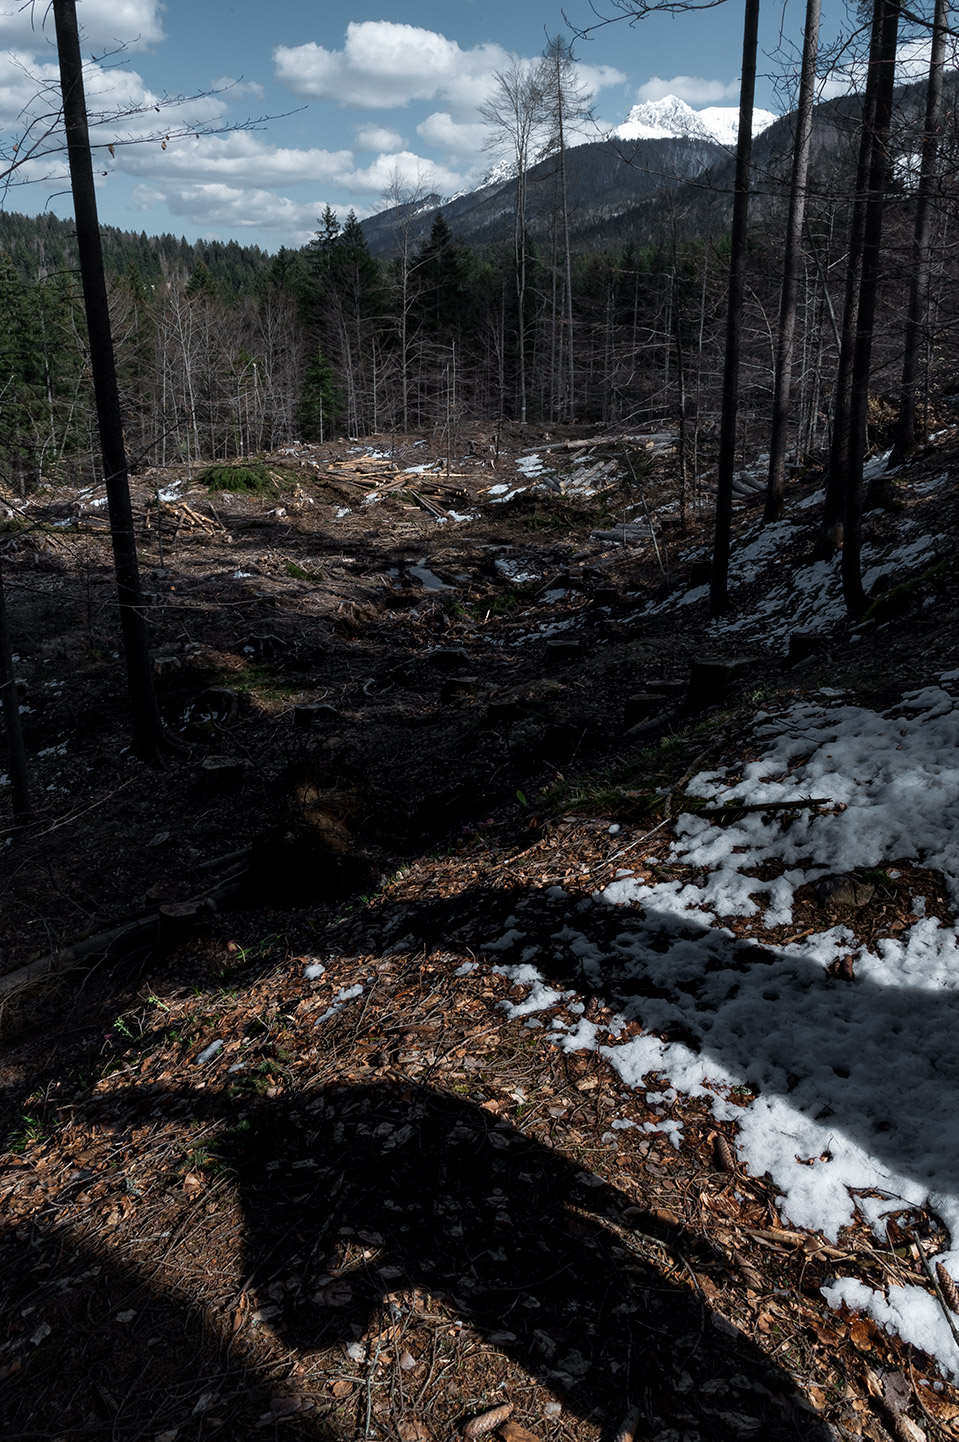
353	100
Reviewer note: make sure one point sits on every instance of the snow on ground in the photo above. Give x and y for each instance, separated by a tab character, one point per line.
809	597
854	1084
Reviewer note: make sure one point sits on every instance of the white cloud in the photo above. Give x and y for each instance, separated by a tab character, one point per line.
132	23
238	87
691	88
377	137
226	209
455	137
912	63
238	156
383	64
26	88
404	168
598	77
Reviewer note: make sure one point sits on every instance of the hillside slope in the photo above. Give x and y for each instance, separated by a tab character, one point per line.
555	1037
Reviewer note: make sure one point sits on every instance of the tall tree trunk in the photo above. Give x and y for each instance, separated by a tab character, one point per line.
906	431
147	727
792	265
831	525
719	587
852	589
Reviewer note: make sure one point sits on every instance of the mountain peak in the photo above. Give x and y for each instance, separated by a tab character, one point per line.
671	118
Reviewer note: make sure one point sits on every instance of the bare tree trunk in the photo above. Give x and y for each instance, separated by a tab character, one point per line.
831	525
719	586
147	727
792	264
906	432
852	589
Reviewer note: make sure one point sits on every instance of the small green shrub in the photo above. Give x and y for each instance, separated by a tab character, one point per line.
251	479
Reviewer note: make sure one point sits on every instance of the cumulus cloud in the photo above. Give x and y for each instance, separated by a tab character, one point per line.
131	23
238	156
404	169
377	137
691	88
238	87
384	64
455	137
225	209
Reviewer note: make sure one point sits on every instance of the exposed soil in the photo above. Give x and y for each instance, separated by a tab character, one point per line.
377	1219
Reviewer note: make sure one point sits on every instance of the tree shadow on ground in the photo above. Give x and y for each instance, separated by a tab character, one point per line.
364	1208
873	1062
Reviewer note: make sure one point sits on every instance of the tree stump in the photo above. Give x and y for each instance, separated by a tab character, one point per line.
640	707
310	714
218	703
264	645
221	773
456	687
711	681
450	658
674	690
563	648
803	644
503	711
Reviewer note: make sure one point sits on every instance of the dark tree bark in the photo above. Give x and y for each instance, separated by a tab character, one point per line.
719	586
831	525
792	268
147	727
16	755
852	589
907	436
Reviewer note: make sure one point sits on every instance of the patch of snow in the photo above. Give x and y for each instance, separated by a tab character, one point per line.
854	1086
910	1312
515	571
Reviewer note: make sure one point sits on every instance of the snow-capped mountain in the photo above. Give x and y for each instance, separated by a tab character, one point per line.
671	118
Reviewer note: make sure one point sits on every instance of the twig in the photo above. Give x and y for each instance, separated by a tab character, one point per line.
924	1262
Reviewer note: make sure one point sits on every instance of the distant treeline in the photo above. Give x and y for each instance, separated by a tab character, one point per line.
38	246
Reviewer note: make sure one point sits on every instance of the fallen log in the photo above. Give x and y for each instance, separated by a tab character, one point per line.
145	931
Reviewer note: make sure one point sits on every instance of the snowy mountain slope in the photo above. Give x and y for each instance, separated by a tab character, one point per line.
672	118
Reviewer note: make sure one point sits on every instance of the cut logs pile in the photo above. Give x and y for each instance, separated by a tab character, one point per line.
179	514
378	477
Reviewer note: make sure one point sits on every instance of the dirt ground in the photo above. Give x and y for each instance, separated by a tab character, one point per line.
407	705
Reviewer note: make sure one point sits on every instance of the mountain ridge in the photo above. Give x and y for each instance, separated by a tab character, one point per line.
673	119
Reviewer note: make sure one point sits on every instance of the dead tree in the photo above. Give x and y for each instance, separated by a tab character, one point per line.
907	429
147	727
792	267
719	585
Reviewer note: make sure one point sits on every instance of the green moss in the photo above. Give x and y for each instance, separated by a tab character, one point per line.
898	600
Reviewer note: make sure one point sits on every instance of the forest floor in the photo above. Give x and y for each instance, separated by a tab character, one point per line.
313	1142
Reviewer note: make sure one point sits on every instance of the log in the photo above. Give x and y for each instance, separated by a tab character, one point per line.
145	930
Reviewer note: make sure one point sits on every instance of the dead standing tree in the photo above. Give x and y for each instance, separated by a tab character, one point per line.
147	726
792	267
719	583
907	434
